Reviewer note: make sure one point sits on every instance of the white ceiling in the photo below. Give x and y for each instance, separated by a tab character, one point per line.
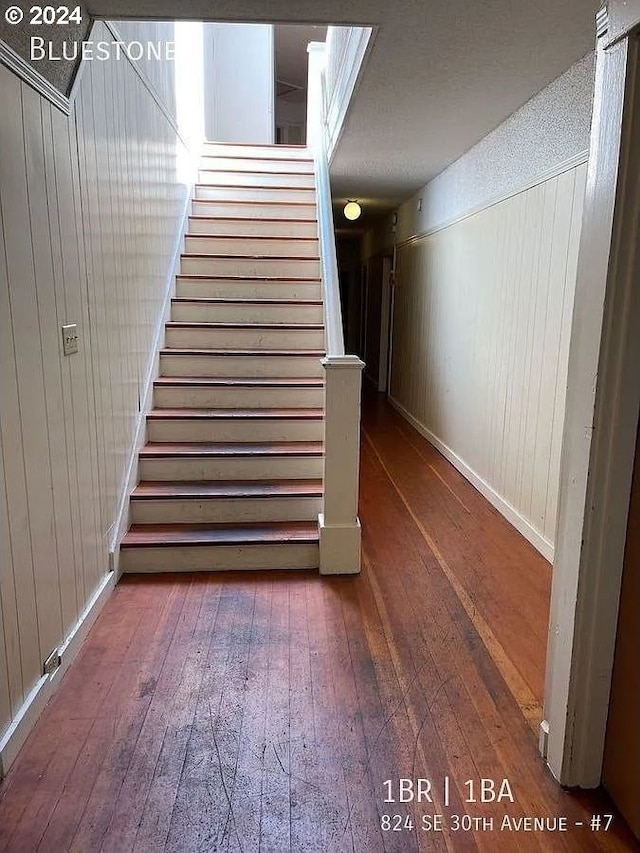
439	76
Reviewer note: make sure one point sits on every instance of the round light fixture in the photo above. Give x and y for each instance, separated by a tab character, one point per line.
352	210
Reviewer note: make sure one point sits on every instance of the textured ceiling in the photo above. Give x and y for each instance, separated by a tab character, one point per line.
439	76
434	88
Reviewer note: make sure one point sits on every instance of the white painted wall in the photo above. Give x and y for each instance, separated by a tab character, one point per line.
90	210
239	83
161	75
484	300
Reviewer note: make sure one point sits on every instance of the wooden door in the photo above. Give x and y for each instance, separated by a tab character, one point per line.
622	745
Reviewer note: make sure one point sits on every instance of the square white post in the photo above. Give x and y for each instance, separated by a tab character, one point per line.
339	523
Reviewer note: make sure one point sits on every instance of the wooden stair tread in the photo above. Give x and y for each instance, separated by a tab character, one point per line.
200	217
287	187
311	205
267	279
237	489
236	414
265	237
214	143
285	173
262	155
204	324
197	449
274	532
267	302
262	150
231	381
182	351
238	256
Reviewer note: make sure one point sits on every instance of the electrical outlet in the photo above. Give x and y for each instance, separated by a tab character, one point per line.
51	663
70	338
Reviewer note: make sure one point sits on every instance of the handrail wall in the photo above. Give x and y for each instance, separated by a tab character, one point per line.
346	48
338	523
317	127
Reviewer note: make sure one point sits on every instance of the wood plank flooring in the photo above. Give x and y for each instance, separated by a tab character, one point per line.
264	712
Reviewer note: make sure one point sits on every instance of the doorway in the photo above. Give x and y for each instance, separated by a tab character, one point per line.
377	320
290	60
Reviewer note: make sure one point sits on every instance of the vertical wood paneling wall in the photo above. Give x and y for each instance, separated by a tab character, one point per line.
481	329
90	206
161	75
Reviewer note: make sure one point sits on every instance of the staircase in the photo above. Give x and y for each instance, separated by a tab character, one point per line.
231	475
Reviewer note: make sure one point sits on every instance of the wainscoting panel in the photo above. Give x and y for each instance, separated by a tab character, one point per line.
90	207
480	344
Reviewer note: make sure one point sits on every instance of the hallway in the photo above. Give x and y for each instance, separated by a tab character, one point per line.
265	712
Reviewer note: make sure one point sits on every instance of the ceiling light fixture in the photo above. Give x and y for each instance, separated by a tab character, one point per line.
352	210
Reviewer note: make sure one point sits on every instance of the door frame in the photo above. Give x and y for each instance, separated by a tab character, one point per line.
603	400
385	326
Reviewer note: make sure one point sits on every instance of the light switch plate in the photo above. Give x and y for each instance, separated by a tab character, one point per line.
70	338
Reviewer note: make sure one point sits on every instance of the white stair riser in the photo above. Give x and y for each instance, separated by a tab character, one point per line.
213	558
237	396
265	210
270	152
238	312
282	267
271	246
247	289
244	338
234	429
253	164
219	227
224	510
232	468
233	365
204	192
255	179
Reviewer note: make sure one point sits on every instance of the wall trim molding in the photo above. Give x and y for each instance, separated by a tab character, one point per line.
37	81
28	74
558	169
27	716
130	479
512	515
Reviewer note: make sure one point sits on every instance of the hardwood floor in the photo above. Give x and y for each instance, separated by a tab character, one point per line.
264	712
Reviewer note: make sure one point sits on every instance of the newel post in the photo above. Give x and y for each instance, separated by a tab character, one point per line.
339	523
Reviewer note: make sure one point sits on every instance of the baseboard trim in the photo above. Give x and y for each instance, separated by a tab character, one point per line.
15	736
121	523
512	515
